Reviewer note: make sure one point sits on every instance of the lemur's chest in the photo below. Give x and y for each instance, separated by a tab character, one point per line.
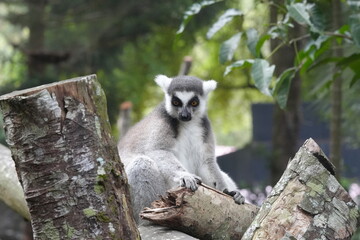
189	147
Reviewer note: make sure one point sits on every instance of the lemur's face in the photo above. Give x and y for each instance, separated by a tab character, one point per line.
185	105
185	97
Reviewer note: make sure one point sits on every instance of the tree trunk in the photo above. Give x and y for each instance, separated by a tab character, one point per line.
67	162
286	123
307	203
205	213
336	97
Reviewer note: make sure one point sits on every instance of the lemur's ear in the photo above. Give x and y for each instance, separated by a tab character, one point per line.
209	86
163	81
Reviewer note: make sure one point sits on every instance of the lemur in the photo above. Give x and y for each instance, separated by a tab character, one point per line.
174	145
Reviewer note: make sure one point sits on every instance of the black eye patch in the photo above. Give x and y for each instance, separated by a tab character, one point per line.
175	101
194	102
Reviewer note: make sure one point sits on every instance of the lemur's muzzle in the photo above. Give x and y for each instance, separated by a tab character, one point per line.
185	114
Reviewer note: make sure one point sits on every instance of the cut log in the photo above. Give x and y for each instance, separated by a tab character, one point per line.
205	213
307	203
12	194
67	162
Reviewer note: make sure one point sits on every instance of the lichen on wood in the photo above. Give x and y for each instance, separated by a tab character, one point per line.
307	202
67	162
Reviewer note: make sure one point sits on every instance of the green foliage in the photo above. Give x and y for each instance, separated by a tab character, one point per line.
319	40
222	21
300	12
262	73
229	47
239	64
193	10
355	28
282	86
252	41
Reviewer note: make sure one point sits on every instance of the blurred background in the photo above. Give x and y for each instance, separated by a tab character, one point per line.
308	54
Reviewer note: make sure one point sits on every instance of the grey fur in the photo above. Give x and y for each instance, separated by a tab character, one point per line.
161	152
186	83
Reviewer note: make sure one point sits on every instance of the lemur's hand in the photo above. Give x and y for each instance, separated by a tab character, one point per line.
190	181
238	198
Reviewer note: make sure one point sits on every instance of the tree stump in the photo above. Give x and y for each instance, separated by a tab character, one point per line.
307	202
67	162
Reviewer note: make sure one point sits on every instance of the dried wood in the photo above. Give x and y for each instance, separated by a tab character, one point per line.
205	213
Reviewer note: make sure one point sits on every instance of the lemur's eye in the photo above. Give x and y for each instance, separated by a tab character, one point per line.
176	102
194	103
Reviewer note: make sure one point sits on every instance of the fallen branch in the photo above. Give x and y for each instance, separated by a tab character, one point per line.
205	213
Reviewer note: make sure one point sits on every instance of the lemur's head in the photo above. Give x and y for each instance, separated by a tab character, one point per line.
185	96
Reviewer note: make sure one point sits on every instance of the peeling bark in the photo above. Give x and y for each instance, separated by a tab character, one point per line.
307	203
205	213
67	162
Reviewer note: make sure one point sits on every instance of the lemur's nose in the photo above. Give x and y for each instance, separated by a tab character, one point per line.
185	115
185	118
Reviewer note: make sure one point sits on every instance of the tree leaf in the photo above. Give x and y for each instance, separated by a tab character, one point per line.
252	40
228	48
239	64
352	61
261	42
262	73
282	87
193	10
355	79
300	13
323	62
354	4
222	21
355	28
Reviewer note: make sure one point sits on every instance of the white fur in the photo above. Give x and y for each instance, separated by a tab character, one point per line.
169	107
209	86
163	81
184	96
189	149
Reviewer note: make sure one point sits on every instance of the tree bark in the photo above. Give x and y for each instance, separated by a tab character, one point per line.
14	197
307	203
67	162
286	123
205	213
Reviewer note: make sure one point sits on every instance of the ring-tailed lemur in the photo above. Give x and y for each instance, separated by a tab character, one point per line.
174	145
